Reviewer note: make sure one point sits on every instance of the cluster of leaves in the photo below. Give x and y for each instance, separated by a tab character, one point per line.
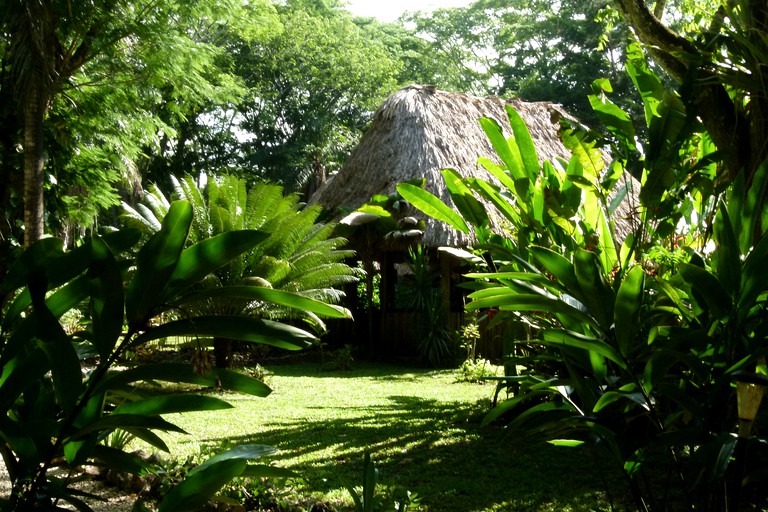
299	255
634	360
56	414
383	499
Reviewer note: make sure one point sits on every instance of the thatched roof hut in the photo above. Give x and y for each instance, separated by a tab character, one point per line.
417	132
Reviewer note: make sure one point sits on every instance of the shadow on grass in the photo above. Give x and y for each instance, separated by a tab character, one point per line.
439	450
381	371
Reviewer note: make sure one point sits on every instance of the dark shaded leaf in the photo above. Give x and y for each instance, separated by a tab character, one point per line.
253	330
155	264
106	291
167	404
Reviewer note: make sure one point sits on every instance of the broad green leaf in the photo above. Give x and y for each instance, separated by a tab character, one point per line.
17	437
155	264
709	288
148	437
524	141
626	313
584	152
498	172
570	443
562	269
62	359
464	200
502	147
119	460
253	330
113	421
754	278
610	397
205	257
32	262
728	258
167	404
501	203
508	405
559	337
666	128
647	83
196	489
662	360
538	204
241	452
242	383
21	371
598	296
750	214
432	206
106	291
179	372
615	119
532	303
280	297
61	301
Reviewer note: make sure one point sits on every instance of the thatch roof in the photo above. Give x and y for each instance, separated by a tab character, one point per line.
417	132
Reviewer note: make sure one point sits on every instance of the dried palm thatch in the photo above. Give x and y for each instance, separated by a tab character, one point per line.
417	132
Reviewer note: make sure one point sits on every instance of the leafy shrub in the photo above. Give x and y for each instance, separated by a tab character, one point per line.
476	370
53	413
633	358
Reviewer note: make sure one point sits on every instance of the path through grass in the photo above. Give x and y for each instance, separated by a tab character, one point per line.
422	429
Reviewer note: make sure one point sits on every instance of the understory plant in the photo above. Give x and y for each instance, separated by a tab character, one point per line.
62	394
634	357
299	254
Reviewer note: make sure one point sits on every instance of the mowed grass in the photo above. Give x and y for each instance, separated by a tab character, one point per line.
423	431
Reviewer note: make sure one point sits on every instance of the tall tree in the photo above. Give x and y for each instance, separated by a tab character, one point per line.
51	49
719	61
312	87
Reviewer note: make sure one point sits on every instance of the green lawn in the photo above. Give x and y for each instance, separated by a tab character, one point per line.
422	429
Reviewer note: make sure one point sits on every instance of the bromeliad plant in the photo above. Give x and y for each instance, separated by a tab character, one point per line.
56	412
629	357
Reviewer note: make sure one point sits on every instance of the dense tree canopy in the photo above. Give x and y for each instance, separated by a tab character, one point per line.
132	91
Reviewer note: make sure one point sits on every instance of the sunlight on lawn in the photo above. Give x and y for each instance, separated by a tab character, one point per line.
422	428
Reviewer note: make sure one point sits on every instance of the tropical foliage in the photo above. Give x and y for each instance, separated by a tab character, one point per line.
636	346
299	255
56	414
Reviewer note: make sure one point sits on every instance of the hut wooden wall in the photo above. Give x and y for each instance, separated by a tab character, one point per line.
395	335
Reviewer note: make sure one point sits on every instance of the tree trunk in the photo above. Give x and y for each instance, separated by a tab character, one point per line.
34	112
727	124
222	352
